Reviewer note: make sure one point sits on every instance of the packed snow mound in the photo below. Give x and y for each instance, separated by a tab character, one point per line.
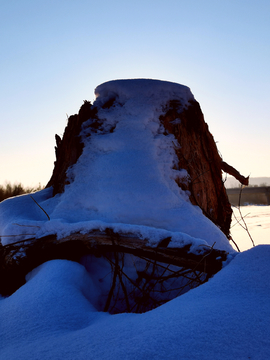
125	177
146	89
52	317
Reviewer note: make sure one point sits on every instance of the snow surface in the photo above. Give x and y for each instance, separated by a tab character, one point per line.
52	317
124	179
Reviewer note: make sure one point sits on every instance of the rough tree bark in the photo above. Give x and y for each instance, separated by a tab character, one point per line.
69	148
198	154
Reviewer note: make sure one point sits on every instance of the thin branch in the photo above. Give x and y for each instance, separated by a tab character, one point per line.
245	227
40	207
17	242
231	239
26	225
238	221
109	298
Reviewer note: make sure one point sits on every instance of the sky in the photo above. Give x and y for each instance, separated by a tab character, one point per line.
55	53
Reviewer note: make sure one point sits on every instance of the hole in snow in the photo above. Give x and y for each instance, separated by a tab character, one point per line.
128	283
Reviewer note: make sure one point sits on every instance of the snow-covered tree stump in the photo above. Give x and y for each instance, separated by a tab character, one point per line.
193	145
137	189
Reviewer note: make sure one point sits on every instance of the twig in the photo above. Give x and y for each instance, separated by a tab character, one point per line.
238	221
17	235
26	225
109	298
231	239
119	270
17	242
245	227
40	206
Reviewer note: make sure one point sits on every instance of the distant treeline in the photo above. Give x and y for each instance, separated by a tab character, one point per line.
249	195
230	182
8	190
250	186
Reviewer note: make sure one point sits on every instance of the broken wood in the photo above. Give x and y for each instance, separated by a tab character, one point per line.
236	174
17	260
69	148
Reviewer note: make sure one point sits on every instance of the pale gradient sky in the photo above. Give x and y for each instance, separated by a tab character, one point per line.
54	53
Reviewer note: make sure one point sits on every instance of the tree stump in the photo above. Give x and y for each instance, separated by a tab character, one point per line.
168	130
194	146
